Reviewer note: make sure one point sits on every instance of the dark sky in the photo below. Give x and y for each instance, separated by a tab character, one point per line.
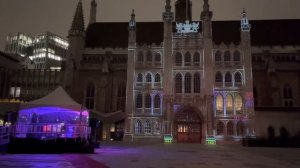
36	16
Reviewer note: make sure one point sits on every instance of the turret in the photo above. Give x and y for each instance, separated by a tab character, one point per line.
132	30
206	16
93	12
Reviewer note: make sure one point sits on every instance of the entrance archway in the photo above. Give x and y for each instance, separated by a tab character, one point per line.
188	126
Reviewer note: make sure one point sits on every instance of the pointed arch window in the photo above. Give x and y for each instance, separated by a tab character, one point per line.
157	78
236	56
237	79
228	80
220	128
187	59
139	78
157	57
219	104
178	59
238	104
138	127
219	77
178	83
229	105
187	83
148	101
157	101
90	96
196	59
147	127
121	100
229	128
140	56
218	57
227	56
139	100
148	78
197	83
149	56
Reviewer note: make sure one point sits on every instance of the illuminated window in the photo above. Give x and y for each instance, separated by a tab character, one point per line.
187	83
220	128
187	59
15	92
229	128
196	82
219	104
139	78
157	101
148	101
90	96
237	78
219	77
218	57
157	78
238	103
140	56
178	59
236	56
148	78
229	105
178	83
138	127
240	129
227	56
196	59
139	100
147	127
149	56
121	100
157	57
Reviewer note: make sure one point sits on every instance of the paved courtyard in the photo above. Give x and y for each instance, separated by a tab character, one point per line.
159	155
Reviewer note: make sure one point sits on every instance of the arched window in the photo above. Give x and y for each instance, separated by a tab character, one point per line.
238	103
139	78
157	101
178	83
219	77
178	59
240	129
157	78
220	128
187	83
187	59
121	100
218	57
157	127
138	127
149	56
229	105
227	56
236	56
229	128
140	56
90	96
219	104
148	78
196	59
287	92
196	82
237	78
139	100
228	79
147	127
148	101
157	57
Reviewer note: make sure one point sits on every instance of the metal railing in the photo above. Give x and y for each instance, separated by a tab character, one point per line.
51	131
4	134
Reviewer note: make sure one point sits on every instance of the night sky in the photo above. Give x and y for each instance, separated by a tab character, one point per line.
35	16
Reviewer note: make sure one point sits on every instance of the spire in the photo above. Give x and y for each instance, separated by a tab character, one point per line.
93	12
206	14
245	25
168	14
78	21
132	22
